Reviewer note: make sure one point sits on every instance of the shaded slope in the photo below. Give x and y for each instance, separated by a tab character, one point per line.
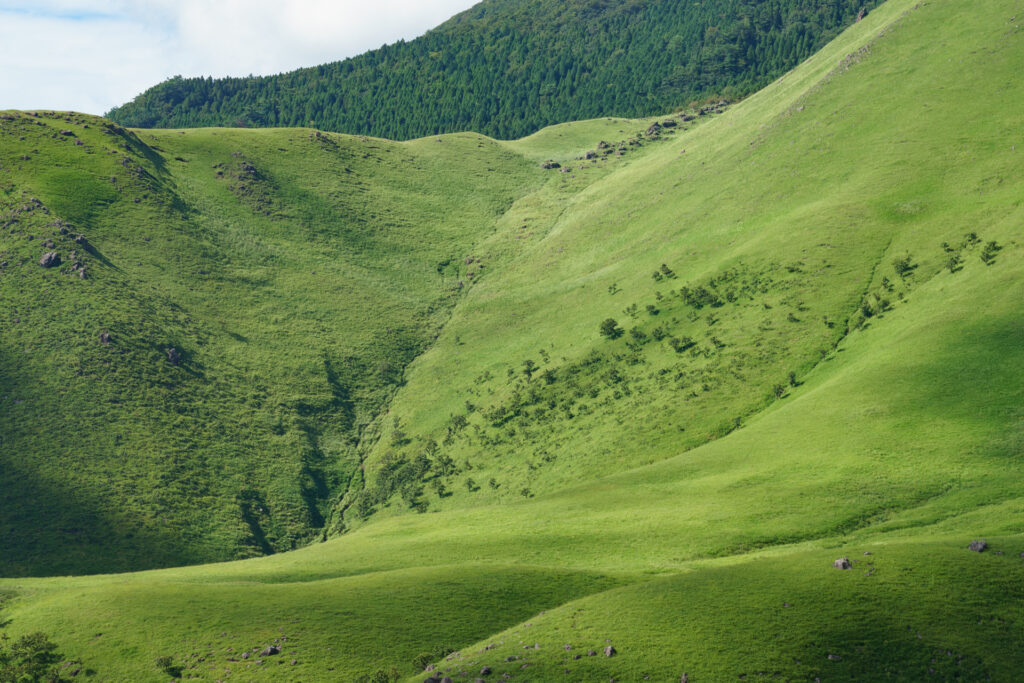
293	287
509	67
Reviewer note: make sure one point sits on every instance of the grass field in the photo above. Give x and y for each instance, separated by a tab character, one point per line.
830	364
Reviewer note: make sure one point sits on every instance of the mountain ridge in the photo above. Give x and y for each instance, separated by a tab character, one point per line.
508	68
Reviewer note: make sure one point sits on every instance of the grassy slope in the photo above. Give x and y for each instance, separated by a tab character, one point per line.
904	441
296	275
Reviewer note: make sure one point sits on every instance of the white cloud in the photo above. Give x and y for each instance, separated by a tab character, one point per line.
89	55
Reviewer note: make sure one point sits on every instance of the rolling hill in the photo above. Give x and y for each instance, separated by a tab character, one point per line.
816	352
506	68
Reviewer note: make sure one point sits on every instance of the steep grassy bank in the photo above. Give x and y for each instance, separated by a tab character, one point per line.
231	311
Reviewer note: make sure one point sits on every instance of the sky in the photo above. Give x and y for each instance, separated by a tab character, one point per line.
91	55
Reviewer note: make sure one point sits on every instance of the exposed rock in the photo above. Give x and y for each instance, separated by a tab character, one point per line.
50	259
610	651
843	563
978	546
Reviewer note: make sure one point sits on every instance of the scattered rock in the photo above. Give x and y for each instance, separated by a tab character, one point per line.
843	563
50	259
603	145
610	651
978	546
590	155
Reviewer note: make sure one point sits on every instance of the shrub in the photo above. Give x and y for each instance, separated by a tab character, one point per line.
610	329
904	266
779	390
166	664
30	658
988	254
680	344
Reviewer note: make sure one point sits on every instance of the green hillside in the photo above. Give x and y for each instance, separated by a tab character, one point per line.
817	353
506	68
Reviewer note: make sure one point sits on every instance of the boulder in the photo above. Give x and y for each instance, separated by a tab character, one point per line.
486	671
610	651
843	563
270	650
50	259
603	145
548	165
978	546
654	129
173	357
